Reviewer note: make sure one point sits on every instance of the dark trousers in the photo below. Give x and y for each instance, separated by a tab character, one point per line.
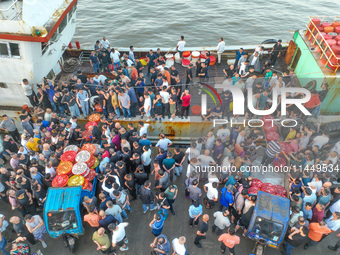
192	221
30	238
187	81
266	160
133	193
226	111
133	109
186	110
273	58
147	169
33	99
198	239
166	110
219	231
149	67
171	201
15	134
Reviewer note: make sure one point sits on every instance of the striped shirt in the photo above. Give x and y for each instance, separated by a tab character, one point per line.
273	148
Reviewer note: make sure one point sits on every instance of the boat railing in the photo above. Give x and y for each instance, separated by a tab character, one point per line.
11	13
314	35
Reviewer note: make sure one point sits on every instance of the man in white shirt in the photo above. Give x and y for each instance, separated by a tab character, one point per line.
180	46
114	55
163	142
320	140
223	133
131	54
178	245
118	235
192	151
105	43
221	221
143	128
165	99
147	106
212	194
220	49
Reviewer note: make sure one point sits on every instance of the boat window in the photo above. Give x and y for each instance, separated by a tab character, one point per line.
11	50
4	50
268	229
14	47
59	221
70	14
63	24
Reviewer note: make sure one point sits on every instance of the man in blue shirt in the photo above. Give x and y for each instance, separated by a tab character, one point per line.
152	57
144	141
227	198
94	61
49	89
157	224
161	245
133	99
207	64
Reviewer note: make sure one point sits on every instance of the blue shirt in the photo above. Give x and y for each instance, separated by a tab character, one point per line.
307	214
144	142
226	197
132	95
164	247
50	92
195	210
140	87
94	59
151	59
239	55
157	227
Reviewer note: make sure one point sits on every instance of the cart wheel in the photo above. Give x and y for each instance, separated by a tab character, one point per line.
259	249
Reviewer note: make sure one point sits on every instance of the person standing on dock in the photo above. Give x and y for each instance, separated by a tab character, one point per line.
151	58
83	101
220	49
105	43
276	52
94	61
180	46
8	125
29	92
239	54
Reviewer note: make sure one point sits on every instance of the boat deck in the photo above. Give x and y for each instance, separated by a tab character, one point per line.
216	75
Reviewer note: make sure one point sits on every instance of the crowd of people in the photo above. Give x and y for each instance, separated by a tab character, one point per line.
132	168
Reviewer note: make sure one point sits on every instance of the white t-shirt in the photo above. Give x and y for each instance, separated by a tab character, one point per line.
119	234
253	61
165	96
212	192
220	47
206	160
193	153
105	44
129	62
51	171
210	142
178	248
181	45
320	141
143	130
147	103
115	56
223	133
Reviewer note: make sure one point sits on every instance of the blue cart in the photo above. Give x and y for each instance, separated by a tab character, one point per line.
62	214
269	222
